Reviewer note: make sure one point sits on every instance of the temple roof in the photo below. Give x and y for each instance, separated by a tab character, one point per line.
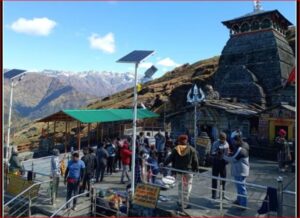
228	23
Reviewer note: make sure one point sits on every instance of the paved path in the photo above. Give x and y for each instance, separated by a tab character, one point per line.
262	173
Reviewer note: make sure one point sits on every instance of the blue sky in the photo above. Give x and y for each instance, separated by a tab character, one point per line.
79	36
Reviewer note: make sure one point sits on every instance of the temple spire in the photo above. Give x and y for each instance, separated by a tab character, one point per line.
257	5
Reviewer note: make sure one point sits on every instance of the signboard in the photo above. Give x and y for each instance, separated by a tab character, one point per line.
16	184
146	196
129	132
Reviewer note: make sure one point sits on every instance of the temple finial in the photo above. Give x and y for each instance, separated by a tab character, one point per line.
257	5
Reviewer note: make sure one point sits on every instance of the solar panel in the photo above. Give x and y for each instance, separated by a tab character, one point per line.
149	73
135	56
13	73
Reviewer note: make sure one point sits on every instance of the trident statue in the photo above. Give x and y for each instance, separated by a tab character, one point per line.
195	96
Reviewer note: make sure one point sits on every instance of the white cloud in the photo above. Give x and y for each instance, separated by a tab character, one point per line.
167	62
105	43
146	65
36	26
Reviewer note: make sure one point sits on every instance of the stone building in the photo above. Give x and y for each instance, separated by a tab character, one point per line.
251	82
257	59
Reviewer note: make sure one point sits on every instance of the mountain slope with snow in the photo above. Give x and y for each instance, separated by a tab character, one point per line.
40	94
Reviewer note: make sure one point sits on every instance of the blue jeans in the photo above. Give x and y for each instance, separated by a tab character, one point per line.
241	190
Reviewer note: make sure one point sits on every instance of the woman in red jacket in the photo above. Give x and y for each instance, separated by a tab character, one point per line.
125	156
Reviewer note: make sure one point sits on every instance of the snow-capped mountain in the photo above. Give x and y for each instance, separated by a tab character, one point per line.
41	93
92	82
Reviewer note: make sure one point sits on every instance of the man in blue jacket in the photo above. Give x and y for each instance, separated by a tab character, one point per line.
240	167
74	175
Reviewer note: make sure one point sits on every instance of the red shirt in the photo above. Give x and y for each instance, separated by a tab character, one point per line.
125	155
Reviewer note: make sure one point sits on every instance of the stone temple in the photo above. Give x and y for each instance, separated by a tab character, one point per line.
256	60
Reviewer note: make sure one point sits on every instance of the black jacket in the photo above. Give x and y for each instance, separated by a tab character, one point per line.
89	163
102	156
183	158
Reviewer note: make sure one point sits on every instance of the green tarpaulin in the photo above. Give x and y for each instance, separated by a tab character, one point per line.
99	116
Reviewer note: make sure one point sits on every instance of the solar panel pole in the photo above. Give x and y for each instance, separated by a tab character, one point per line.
134	130
134	57
7	155
11	75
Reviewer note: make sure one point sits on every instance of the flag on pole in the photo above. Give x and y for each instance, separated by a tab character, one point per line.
292	76
139	87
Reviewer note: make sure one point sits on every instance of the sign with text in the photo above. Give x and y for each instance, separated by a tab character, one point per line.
146	195
129	132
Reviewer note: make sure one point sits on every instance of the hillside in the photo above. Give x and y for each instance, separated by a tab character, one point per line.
168	86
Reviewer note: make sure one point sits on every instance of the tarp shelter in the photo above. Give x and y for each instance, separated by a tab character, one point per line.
96	116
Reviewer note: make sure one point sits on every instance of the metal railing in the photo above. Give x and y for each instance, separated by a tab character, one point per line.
255	197
102	208
68	211
22	203
88	206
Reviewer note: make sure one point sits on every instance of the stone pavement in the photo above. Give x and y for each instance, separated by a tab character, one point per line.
262	172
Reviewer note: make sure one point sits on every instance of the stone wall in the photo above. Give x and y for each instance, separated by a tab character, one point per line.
213	118
266	54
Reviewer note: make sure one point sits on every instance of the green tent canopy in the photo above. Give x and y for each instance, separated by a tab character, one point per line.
98	116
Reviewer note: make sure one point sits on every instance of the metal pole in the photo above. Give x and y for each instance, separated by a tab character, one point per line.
97	133
9	121
66	137
78	135
29	205
165	116
182	192
195	124
89	139
134	131
52	191
221	198
280	196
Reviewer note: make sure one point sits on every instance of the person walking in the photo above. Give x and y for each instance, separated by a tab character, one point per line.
94	159
240	167
74	175
183	157
15	165
55	174
89	169
118	161
138	166
160	141
141	140
283	150
126	156
218	149
102	156
111	149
